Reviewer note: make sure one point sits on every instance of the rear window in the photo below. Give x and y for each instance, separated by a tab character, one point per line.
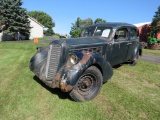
133	34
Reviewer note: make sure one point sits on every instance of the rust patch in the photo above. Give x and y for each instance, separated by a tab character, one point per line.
69	74
56	80
66	65
58	76
85	58
151	85
65	88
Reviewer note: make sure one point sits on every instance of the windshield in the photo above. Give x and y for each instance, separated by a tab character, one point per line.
97	31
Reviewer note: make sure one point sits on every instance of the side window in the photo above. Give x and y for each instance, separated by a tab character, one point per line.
133	34
88	32
106	33
121	34
102	32
98	32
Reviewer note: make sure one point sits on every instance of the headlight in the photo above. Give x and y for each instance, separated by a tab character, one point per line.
73	59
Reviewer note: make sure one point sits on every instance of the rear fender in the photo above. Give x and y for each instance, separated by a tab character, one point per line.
138	50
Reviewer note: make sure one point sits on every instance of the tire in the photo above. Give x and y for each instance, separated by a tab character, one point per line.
88	85
134	62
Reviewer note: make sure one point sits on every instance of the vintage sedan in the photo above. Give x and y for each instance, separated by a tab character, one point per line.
80	65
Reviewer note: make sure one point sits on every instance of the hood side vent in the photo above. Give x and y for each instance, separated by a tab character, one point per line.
97	50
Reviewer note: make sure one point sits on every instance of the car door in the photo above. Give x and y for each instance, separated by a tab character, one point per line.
120	46
133	41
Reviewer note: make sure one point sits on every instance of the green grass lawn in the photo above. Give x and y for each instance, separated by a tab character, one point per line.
56	36
49	38
151	52
132	92
45	38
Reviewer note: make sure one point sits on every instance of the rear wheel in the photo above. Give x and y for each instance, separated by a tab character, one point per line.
88	85
134	62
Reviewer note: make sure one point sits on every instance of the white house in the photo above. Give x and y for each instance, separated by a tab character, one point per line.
36	31
36	28
141	24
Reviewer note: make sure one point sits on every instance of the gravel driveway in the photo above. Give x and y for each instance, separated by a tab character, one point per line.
155	59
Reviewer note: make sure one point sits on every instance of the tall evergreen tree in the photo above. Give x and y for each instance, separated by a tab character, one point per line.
154	27
14	17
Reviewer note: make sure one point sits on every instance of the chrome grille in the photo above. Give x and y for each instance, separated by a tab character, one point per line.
52	61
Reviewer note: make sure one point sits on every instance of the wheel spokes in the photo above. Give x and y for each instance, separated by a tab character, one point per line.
86	84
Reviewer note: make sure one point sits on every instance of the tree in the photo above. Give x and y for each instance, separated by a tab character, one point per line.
49	31
14	17
44	19
75	31
86	22
79	25
154	27
99	20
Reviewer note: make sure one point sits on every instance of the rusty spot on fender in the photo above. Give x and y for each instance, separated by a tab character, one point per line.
56	80
86	57
67	66
69	74
58	76
65	88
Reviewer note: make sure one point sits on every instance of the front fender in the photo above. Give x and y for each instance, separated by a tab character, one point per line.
72	74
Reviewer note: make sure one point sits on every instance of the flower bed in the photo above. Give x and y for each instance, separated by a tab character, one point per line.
154	46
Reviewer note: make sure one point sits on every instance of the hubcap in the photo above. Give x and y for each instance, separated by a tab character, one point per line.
86	84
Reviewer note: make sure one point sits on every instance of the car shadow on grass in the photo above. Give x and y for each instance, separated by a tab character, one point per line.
57	91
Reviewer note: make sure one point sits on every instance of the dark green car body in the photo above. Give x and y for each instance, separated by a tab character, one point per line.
101	45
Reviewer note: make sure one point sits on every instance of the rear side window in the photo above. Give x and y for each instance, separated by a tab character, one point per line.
133	34
121	34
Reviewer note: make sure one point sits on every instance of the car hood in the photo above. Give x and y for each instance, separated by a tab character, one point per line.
80	41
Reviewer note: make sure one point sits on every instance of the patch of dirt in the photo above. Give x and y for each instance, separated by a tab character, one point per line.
151	85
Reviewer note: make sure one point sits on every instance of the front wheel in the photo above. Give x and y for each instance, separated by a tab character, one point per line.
88	85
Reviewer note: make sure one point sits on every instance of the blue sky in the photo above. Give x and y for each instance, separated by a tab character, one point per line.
65	12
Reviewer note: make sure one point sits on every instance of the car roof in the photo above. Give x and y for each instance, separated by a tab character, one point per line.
113	24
